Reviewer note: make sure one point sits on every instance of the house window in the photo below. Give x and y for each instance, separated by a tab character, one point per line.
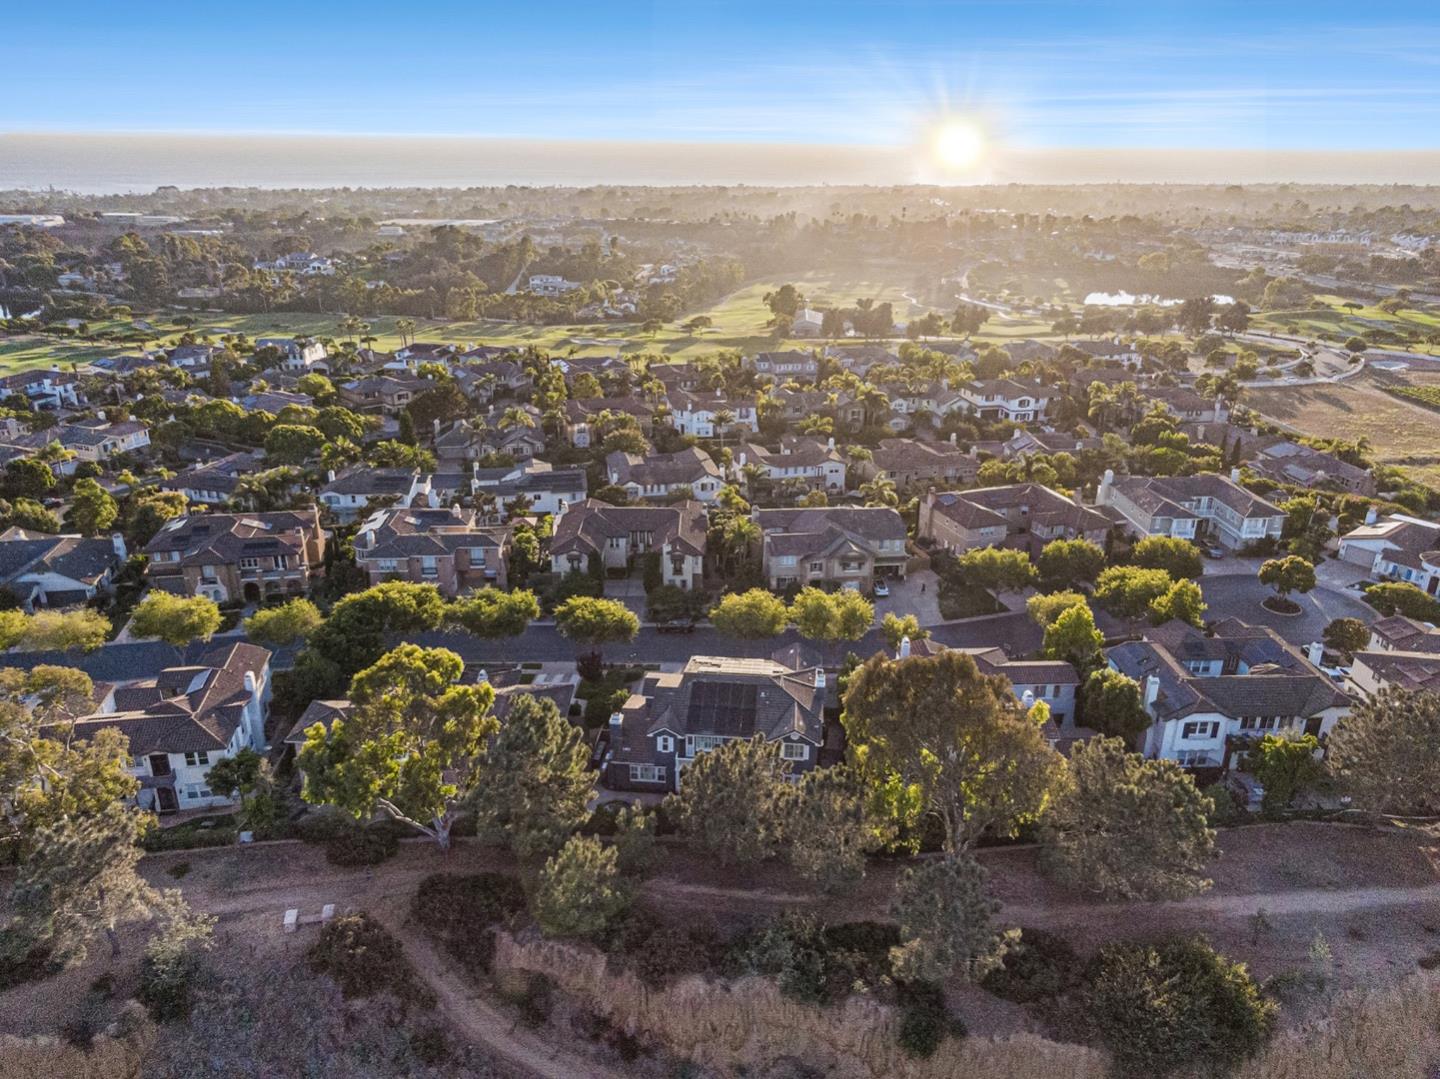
388	565
1054	691
794	751
665	744
195	760
1192	758
1198	730
647	773
427	566
700	743
817	567
249	563
196	792
207	573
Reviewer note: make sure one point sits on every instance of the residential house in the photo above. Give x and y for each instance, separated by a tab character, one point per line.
807	323
195	359
698	412
47	389
847	546
449	548
1053	681
801	460
360	488
1289	462
1203	507
1186	406
546	489
581	414
1004	399
298	355
183	721
675	716
387	394
238	556
908	462
274	401
616	535
860	358
1046	443
690	471
1372	672
1398	548
1210	695
1114	352
1026	515
41	570
214	482
1400	634
550	285
803	366
94	440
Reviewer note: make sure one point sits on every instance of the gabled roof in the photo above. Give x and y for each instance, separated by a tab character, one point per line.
186	709
587	526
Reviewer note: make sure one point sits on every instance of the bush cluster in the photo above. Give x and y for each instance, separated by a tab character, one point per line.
364	960
361	846
1039	966
462	911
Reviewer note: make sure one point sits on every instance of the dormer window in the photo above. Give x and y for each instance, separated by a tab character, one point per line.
665	744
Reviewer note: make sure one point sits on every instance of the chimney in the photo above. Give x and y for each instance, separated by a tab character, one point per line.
1027	700
1102	493
904	650
1152	691
436	426
455	510
330	475
432	499
117	541
819	677
1235	475
742	458
617	720
1372	515
953	437
830	443
482	677
1315	652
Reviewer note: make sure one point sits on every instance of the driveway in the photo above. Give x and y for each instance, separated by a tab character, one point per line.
907	597
1238	596
629	591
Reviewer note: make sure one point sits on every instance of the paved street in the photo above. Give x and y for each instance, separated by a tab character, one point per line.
540	643
1238	595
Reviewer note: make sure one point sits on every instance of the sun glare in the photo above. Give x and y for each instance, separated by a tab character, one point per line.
957	144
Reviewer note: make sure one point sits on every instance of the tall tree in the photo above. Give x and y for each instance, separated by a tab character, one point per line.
1386	753
1126	827
1289	574
80	881
410	745
92	510
829	829
832	616
1072	637
895	628
533	784
1178	557
945	916
751	615
1112	703
492	614
580	892
596	622
291	621
959	738
1066	562
177	620
735	800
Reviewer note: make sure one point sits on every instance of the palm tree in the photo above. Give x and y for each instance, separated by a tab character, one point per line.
406	328
515	416
880	492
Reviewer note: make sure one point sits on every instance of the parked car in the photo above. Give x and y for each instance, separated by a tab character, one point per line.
677	625
1213	550
882	589
1246	787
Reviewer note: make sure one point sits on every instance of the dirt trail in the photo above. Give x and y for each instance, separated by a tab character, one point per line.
477	1019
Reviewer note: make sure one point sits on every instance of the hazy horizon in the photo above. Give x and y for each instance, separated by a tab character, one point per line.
107	163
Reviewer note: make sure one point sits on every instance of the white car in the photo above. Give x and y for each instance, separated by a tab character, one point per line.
882	589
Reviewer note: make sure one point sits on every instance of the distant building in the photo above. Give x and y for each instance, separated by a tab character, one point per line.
1202	507
238	556
448	548
665	475
1398	548
617	535
41	570
844	546
1027	515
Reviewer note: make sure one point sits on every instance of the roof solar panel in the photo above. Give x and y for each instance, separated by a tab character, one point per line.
726	708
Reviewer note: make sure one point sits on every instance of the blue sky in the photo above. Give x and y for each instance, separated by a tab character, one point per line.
1275	74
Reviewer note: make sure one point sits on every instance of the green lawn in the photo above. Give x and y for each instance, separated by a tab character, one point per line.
739	323
1338	322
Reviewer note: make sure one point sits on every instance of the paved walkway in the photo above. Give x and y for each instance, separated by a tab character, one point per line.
907	597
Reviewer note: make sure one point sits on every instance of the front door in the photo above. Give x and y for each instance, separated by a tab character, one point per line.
159	764
166	800
1312	726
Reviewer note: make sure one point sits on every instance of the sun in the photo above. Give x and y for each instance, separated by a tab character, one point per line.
957	144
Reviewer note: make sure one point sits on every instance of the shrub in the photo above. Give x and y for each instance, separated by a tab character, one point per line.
22	959
363	959
1225	808
361	846
1162	1007
430	1046
580	892
924	1020
448	903
813	962
1038	967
